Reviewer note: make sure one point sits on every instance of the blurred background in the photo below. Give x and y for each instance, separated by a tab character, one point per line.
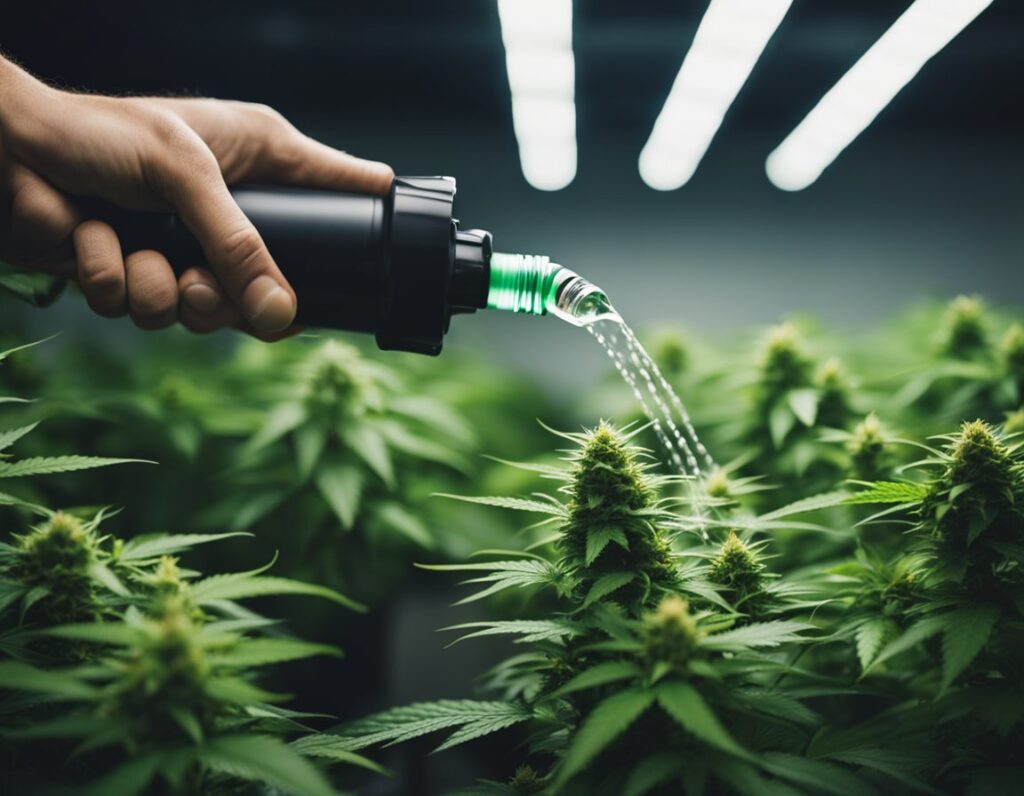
928	201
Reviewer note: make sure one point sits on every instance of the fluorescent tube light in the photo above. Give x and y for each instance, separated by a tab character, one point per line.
537	35
730	39
864	91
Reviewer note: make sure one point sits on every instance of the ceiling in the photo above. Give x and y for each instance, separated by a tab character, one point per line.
442	60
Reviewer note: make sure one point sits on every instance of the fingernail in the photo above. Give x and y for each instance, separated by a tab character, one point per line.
267	305
202	298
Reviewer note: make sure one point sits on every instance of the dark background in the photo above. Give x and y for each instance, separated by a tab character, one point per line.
929	201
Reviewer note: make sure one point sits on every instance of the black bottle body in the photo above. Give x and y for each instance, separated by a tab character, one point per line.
393	266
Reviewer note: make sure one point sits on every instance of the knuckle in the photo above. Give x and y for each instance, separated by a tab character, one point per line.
243	248
266	115
99	276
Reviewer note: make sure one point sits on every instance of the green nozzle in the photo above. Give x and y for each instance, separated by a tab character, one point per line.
533	284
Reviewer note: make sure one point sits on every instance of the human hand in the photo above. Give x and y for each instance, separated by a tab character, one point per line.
156	154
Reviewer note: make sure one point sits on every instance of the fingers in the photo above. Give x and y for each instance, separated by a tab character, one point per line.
204	307
41	224
303	161
234	249
152	290
256	143
101	268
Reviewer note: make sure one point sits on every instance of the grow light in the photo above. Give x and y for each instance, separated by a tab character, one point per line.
864	91
731	37
537	35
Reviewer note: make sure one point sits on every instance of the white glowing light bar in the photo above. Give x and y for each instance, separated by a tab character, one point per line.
864	91
537	35
730	39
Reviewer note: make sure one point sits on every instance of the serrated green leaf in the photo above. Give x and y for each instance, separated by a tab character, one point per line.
8	438
914	635
265	760
422	718
780	422
334	747
261	651
684	703
280	420
341	486
605	585
101	573
239	585
804	404
45	465
368	444
604	724
310	440
965	632
239	691
482	727
758	635
19	676
519	504
600	674
819	775
871	637
152	547
599	538
531	630
889	492
823	501
397	518
116	633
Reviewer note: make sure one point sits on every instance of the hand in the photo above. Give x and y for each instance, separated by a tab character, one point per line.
156	154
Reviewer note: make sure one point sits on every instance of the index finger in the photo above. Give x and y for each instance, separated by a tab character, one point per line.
233	247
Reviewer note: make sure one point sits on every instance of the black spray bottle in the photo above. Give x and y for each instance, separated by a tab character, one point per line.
395	266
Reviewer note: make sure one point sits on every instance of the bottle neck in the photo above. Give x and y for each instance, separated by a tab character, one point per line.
523	283
534	285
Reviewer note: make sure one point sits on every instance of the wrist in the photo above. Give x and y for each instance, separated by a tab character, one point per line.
20	94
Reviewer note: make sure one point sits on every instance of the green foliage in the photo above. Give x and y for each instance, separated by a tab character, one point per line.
636	671
121	672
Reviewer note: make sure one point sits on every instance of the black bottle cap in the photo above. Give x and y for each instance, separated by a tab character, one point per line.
421	246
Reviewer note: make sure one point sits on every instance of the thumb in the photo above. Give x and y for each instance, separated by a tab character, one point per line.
232	245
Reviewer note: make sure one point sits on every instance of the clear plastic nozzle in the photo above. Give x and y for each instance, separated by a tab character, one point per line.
535	285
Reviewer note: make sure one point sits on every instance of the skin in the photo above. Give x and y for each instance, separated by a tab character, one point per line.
156	154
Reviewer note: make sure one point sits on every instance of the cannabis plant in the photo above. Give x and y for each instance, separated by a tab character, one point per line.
652	674
133	674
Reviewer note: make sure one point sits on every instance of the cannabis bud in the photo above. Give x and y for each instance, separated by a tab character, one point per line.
978	457
866	447
974	506
338	383
784	364
609	527
526	781
736	566
964	328
832	382
58	555
670	632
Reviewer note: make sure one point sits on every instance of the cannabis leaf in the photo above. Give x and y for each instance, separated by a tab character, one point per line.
605	723
684	703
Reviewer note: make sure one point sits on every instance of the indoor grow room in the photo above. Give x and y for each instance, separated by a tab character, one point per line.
322	566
